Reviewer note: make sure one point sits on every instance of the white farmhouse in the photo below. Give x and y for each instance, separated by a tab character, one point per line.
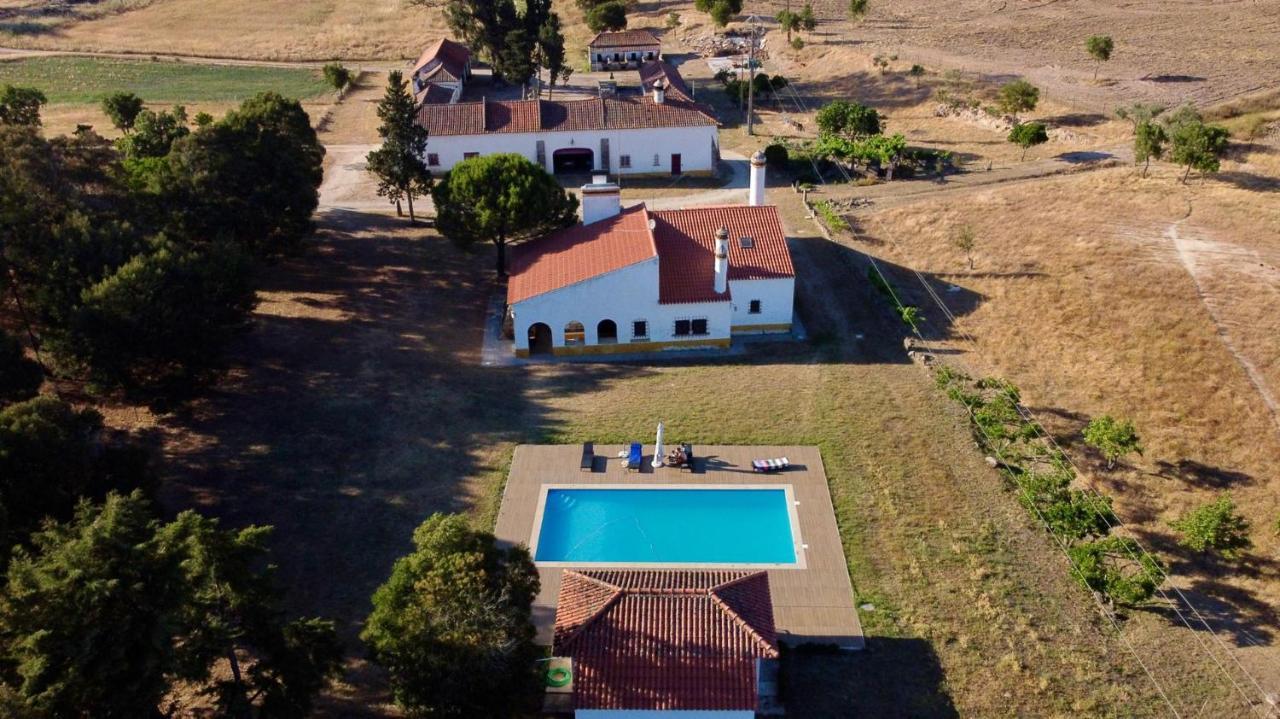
638	280
660	130
625	49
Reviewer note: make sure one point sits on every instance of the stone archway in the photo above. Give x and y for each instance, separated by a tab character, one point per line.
539	339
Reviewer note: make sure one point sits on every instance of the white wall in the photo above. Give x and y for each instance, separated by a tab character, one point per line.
661	714
777	299
693	144
624	296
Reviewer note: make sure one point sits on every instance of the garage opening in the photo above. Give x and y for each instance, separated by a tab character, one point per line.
573	160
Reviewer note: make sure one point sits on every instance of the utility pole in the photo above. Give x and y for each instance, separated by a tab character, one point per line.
753	22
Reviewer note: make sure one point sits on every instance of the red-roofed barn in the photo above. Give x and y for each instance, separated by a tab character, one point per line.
639	280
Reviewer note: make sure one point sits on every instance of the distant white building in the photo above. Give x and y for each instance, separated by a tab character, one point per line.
441	72
638	280
626	49
658	129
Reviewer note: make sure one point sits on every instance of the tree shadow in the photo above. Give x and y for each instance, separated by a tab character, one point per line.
1200	474
1249	181
891	677
1076	119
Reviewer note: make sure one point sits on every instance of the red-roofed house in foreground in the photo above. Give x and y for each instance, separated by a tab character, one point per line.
639	280
663	643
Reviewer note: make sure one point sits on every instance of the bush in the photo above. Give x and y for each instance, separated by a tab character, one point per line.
830	217
797	43
1214	528
20	378
776	155
1112	438
607	17
1069	512
673	20
1117	568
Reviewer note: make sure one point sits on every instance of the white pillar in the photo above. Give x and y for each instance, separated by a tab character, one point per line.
755	196
600	201
657	448
722	260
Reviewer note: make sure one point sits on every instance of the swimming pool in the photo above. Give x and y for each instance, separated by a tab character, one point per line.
664	525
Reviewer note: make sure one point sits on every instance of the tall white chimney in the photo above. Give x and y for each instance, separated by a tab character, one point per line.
755	196
659	91
600	200
722	260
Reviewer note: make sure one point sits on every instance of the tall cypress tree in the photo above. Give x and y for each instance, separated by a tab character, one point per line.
399	164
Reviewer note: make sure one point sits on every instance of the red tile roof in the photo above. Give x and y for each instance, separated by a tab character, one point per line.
579	253
443	60
684	241
665	640
497	116
651	71
623	38
686	246
435	94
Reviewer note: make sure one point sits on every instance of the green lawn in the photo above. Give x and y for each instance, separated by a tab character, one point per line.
81	80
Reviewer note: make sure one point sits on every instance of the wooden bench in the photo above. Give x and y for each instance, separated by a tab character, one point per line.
588	457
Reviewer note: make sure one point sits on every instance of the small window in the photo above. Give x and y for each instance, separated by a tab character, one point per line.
656	160
433	160
699	327
624	161
639	330
469	155
683	328
754	307
746	243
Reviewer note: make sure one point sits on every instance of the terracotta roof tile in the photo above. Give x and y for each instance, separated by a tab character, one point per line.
623	38
686	246
651	71
499	116
579	253
435	94
443	60
665	640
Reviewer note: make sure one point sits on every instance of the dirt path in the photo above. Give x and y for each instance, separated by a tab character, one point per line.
17	53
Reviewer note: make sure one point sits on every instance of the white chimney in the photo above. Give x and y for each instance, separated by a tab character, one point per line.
600	200
722	260
659	91
755	196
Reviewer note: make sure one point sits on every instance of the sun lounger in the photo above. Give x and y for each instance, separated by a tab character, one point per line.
770	465
588	457
634	457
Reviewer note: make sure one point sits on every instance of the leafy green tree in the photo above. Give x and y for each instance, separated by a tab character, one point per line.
843	118
1069	512
399	164
1116	568
1099	48
1019	96
515	62
808	21
154	133
722	12
339	77
1139	112
1194	144
1214	528
20	377
916	72
1149	140
789	22
452	625
20	105
1112	438
164	315
607	17
551	53
673	20
1027	135
122	109
500	198
106	612
857	9
252	177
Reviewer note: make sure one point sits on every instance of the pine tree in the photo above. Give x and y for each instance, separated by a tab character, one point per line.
399	164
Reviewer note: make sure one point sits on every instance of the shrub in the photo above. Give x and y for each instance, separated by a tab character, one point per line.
797	43
606	17
20	378
673	20
830	217
776	154
1214	528
1112	438
1068	512
1117	568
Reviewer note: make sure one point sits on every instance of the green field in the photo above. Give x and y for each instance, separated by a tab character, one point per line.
80	80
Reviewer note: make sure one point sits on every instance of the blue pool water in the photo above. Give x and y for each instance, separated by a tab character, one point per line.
667	526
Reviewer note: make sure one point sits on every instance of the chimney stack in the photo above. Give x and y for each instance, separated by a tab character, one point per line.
722	260
755	196
659	91
601	200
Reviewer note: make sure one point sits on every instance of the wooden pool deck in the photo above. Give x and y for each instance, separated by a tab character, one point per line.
810	605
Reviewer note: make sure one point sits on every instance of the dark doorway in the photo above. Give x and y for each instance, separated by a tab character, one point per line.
539	339
607	332
573	159
675	164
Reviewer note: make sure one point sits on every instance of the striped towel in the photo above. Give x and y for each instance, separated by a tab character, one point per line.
770	465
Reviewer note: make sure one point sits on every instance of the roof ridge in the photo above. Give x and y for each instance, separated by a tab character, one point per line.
605	606
733	613
648	228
